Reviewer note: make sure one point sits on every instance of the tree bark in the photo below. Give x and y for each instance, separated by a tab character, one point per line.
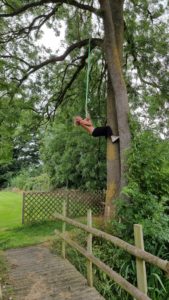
113	157
113	30
118	21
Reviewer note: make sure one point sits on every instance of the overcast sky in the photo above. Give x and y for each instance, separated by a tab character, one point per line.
50	39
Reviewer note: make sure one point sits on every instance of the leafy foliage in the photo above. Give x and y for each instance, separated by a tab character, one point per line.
24	154
119	261
146	50
34	83
31	179
147	189
72	158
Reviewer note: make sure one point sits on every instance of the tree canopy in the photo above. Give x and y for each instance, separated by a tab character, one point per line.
35	82
42	89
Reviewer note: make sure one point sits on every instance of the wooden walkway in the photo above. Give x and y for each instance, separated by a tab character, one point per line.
37	274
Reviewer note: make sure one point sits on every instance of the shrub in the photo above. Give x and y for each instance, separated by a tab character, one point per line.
25	181
147	193
147	189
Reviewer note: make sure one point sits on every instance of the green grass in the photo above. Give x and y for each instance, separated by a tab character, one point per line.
12	233
10	209
28	235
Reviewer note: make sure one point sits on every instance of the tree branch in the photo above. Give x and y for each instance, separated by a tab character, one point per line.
24	8
74	3
136	63
60	98
15	57
94	42
144	9
29	28
83	6
70	65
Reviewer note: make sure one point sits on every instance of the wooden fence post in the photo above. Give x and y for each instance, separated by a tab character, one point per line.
0	292
64	229
23	208
89	250
140	264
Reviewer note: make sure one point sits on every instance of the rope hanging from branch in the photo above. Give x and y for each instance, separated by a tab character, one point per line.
87	80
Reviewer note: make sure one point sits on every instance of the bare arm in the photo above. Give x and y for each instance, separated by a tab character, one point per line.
85	123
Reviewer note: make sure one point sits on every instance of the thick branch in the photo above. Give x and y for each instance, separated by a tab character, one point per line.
24	8
54	59
83	6
39	3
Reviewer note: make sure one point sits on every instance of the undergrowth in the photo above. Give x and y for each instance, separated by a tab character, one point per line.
148	194
121	262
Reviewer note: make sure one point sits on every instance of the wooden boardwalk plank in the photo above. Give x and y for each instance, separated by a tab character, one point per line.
37	274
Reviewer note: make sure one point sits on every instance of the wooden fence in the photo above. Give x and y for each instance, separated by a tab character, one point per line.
41	206
142	256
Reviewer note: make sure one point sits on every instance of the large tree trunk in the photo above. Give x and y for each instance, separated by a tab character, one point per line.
118	21
113	156
117	102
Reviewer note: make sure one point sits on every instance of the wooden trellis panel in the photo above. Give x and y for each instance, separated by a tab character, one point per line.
40	206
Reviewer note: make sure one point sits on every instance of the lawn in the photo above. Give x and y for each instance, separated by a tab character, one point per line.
28	235
10	209
12	233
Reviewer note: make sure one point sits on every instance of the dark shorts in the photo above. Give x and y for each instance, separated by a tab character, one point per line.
102	131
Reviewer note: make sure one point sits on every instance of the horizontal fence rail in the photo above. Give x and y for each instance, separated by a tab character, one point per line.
40	206
135	251
132	290
142	256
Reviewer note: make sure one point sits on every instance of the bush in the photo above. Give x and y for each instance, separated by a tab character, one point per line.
25	181
147	189
147	193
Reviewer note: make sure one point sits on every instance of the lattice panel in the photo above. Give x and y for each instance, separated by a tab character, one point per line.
41	206
79	202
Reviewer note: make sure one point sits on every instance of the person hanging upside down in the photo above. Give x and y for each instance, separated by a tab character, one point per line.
96	131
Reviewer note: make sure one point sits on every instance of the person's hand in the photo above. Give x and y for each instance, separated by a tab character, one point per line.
85	123
77	120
